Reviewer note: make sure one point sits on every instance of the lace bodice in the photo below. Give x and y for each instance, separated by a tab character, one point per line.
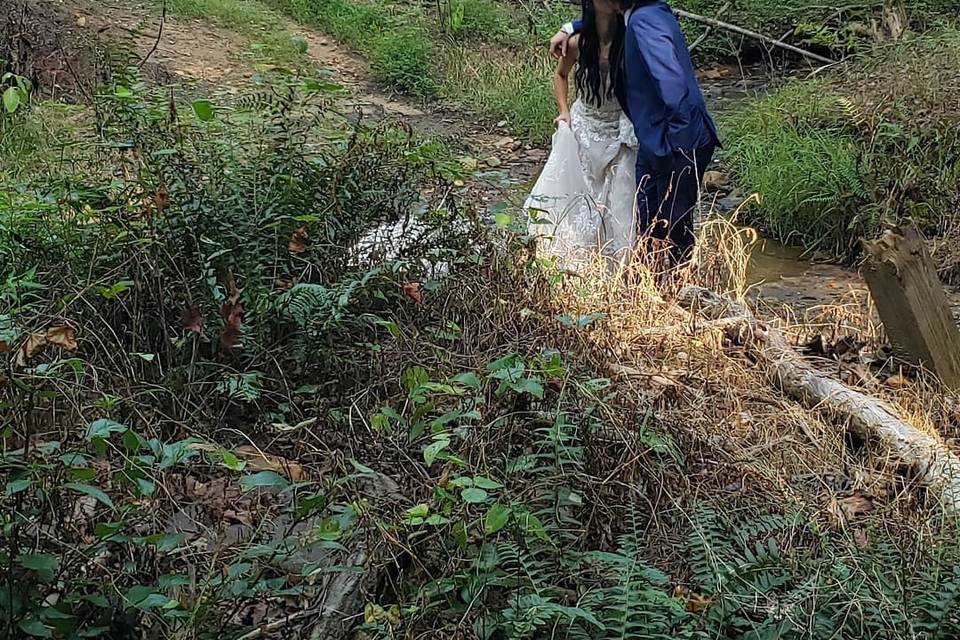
601	124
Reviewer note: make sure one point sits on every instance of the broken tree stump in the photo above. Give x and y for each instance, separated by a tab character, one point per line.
912	303
933	464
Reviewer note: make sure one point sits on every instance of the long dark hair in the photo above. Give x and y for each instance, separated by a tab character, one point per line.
590	84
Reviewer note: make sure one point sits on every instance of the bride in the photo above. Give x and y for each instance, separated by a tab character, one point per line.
582	205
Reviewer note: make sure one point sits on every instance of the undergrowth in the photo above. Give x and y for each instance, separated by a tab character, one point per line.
225	396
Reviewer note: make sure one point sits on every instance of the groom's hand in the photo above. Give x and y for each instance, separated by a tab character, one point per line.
558	44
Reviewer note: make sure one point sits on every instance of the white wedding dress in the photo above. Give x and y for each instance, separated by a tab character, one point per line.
582	206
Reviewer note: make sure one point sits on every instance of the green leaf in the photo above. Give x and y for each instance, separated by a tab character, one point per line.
262	480
166	543
461	482
146	598
103	428
460	534
431	451
204	110
35	628
486	483
469	380
231	461
133	441
437	519
81	474
44	564
362	469
473	495
122	92
11	99
146	487
90	491
497	518
503	219
16	486
531	525
419	511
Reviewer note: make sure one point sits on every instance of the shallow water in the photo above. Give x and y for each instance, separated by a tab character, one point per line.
781	274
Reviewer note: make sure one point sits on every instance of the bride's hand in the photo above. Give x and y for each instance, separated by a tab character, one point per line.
564	118
559	43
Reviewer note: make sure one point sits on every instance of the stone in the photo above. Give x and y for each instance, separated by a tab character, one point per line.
714	180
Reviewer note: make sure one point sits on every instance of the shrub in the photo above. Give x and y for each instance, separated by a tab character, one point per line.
404	60
796	150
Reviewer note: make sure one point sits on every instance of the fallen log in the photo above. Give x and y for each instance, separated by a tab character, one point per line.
719	24
868	417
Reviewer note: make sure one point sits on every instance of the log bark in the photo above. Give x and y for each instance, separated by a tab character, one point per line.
912	303
868	417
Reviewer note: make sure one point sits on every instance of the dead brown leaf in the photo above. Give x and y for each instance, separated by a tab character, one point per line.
845	510
233	325
32	346
191	319
413	292
262	461
697	603
860	537
162	197
232	312
64	337
298	241
855	505
4	346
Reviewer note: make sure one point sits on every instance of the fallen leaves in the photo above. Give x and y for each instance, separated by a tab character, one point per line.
35	343
191	319
257	460
848	508
232	312
64	337
162	198
298	241
261	461
413	292
846	511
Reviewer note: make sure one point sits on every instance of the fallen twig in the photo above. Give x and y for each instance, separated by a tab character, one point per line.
713	22
156	43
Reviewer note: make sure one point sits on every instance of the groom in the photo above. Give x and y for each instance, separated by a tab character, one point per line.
676	135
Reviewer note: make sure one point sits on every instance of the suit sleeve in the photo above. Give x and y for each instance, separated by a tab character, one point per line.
657	49
575	27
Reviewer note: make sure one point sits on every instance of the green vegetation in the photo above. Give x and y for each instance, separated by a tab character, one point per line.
196	335
875	142
483	55
251	348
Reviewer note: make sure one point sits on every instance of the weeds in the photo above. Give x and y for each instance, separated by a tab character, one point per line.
225	397
836	158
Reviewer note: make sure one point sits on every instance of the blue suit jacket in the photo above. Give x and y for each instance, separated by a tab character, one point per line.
659	90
